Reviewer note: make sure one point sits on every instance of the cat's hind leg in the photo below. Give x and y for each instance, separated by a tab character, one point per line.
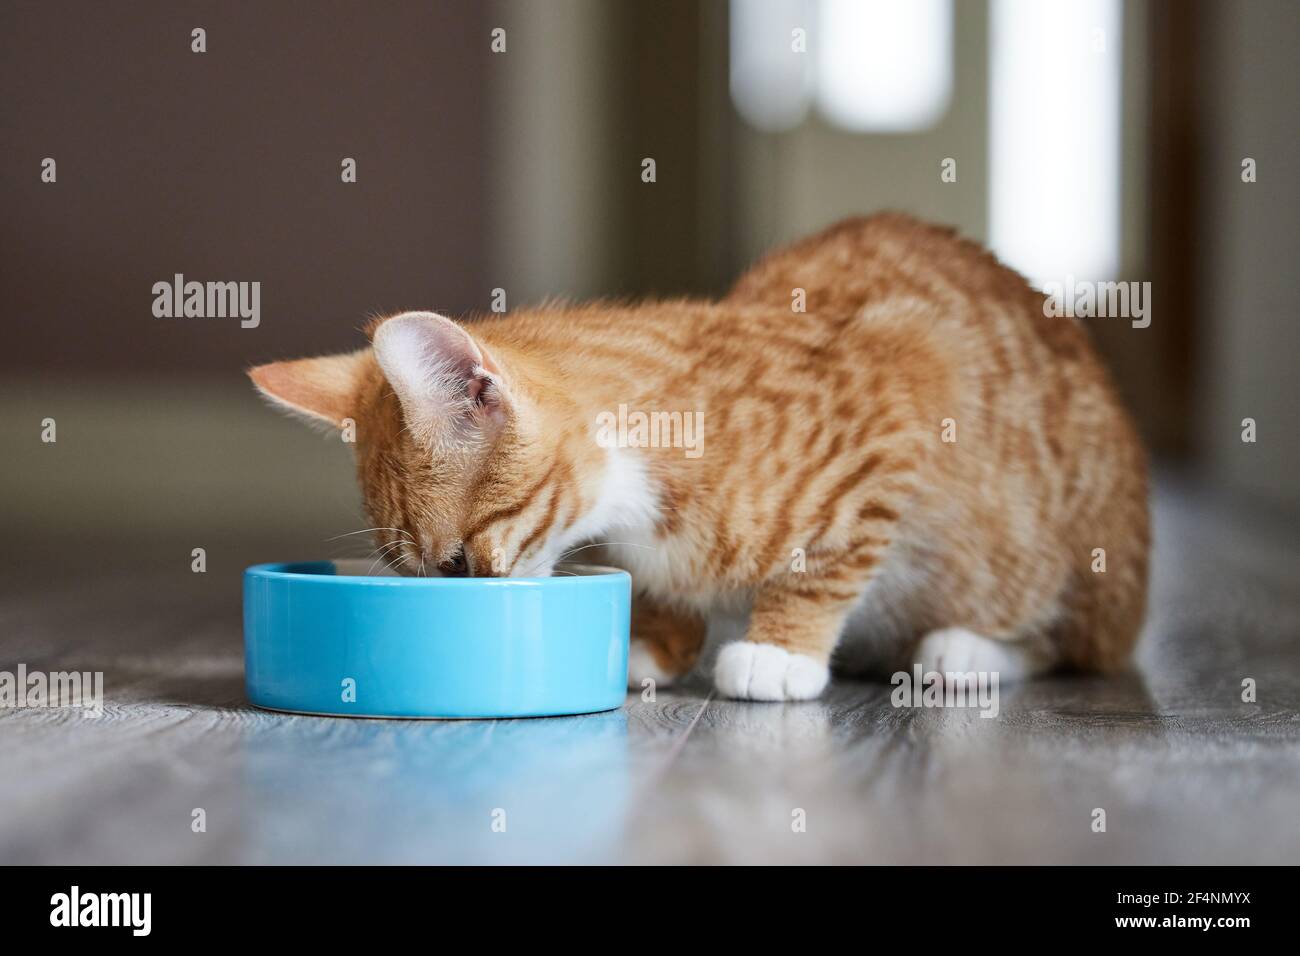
665	643
958	650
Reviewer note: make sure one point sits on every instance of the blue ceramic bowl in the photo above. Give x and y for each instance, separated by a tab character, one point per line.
320	639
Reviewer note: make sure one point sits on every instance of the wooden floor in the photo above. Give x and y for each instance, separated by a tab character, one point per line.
1184	769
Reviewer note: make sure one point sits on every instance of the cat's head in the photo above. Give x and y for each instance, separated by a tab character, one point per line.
465	467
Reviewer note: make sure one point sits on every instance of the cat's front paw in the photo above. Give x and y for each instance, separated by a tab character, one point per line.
749	671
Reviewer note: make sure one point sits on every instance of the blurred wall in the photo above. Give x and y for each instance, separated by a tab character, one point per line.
1248	249
225	165
552	155
796	182
587	91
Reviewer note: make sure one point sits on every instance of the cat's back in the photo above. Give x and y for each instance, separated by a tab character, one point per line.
865	260
889	278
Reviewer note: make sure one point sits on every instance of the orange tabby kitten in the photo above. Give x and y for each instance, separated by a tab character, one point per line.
919	467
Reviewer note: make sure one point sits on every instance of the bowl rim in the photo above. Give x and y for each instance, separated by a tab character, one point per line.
593	575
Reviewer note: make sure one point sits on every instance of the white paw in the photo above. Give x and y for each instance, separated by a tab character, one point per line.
641	664
957	650
749	671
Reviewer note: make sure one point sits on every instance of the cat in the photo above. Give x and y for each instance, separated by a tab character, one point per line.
903	461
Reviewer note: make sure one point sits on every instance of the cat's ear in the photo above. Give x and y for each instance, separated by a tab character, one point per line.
442	376
320	390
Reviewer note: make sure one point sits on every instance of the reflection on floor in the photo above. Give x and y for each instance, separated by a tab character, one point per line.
1185	771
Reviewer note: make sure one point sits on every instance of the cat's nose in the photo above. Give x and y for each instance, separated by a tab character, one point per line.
457	566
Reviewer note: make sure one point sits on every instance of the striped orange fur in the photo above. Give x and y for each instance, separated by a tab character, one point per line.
825	505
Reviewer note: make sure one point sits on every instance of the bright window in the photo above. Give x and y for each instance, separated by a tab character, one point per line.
1054	137
771	76
884	66
871	66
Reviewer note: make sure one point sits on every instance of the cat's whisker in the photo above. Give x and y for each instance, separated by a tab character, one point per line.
359	553
387	549
535	566
391	565
367	531
604	544
342	551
